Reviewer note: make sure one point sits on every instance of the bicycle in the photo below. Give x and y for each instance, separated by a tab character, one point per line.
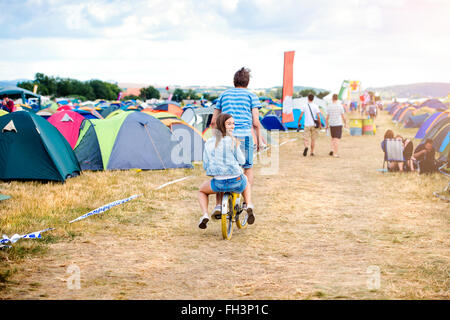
232	212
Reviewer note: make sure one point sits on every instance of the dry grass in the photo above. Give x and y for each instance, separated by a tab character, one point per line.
320	223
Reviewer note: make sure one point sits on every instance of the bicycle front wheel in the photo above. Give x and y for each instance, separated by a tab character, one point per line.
227	216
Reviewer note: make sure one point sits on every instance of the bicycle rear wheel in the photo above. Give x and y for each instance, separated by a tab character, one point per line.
227	216
241	216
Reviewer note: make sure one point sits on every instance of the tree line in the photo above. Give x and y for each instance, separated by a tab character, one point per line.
72	88
178	95
278	93
97	89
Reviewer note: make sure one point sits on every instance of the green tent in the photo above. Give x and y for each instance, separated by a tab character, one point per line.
114	113
129	140
33	149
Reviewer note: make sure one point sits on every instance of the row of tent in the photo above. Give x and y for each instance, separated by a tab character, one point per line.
432	118
144	138
101	109
33	148
271	114
67	137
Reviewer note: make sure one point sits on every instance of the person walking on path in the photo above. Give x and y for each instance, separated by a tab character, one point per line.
243	105
311	113
335	121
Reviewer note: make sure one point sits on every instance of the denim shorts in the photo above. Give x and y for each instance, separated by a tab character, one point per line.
237	184
246	146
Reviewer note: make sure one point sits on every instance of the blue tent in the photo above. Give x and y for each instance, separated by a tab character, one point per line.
416	121
297	113
424	127
293	124
111	108
272	122
16	93
93	114
435	104
445	142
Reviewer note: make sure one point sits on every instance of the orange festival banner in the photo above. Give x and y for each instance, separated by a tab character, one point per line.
288	86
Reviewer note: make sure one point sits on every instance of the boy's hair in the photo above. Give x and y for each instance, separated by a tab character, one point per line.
430	141
310	97
242	77
335	96
220	131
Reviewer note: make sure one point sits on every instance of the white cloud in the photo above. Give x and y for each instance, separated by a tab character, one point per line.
198	42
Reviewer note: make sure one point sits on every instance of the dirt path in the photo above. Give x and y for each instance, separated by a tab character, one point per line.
320	224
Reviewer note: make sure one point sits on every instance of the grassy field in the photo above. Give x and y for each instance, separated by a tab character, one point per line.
323	224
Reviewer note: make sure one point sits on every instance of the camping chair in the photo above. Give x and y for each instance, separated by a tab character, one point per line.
444	194
394	152
444	169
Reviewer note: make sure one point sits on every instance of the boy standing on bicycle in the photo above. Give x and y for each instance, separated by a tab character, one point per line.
222	159
243	106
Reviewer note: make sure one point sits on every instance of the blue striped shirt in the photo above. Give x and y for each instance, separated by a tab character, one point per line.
239	103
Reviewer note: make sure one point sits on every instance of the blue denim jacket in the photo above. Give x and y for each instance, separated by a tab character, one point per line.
225	160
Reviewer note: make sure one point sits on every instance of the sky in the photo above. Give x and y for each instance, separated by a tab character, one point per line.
204	42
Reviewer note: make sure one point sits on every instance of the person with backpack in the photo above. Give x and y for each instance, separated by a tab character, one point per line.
311	113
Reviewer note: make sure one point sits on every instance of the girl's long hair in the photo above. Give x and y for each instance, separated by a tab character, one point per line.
220	131
389	134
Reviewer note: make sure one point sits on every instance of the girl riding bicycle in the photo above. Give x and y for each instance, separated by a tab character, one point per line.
222	158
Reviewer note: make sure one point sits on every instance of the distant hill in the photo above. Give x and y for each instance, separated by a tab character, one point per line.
414	91
210	89
11	83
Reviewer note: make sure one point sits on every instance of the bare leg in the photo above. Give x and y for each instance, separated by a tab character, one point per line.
248	195
219	196
203	193
336	145
313	143
306	142
249	174
391	165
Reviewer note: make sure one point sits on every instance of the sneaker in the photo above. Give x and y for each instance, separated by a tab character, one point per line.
251	215
203	221
331	153
312	154
336	156
305	152
217	212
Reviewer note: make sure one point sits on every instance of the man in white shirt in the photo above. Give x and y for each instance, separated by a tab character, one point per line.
335	120
311	113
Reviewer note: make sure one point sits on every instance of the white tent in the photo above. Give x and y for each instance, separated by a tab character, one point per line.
298	102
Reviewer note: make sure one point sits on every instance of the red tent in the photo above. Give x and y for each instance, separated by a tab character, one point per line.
68	123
